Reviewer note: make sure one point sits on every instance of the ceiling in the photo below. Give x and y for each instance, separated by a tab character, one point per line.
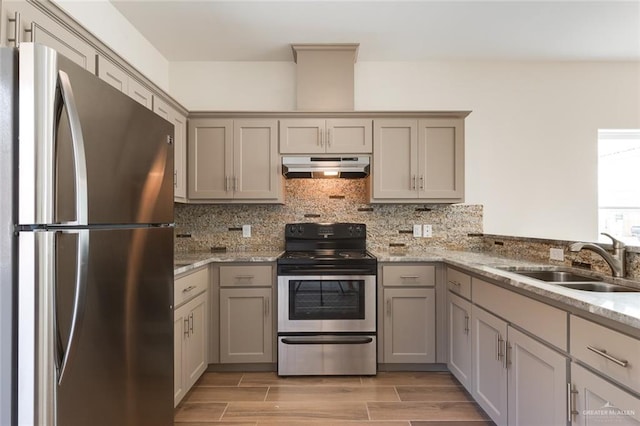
211	30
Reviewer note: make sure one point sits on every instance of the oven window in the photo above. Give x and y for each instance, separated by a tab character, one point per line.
326	299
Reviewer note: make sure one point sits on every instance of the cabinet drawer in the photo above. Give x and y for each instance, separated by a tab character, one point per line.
544	321
188	286
611	346
408	275
246	276
459	282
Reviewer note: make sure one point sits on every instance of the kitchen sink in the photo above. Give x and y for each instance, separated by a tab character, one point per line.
556	276
598	287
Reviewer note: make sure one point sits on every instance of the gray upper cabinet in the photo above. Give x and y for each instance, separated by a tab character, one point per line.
121	80
35	26
234	161
179	122
418	160
319	136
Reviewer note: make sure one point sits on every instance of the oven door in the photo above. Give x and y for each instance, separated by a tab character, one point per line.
326	303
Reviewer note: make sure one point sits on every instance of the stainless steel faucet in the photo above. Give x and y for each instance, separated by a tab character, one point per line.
616	260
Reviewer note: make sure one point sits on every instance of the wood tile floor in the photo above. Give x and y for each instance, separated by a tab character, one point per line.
388	399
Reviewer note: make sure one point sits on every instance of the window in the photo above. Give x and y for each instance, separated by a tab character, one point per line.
619	184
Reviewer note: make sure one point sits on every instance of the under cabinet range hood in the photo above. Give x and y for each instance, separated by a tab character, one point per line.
346	167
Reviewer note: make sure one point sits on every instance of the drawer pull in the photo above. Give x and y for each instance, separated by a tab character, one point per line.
244	277
188	289
409	277
603	353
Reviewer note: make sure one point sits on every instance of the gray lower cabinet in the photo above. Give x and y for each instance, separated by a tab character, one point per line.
246	313
246	329
191	330
459	337
407	313
515	375
595	401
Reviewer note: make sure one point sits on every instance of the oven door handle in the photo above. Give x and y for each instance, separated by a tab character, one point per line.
329	269
327	340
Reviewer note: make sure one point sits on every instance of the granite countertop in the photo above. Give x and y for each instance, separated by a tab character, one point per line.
185	262
620	307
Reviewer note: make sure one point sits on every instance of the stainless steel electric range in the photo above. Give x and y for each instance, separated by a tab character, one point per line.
326	301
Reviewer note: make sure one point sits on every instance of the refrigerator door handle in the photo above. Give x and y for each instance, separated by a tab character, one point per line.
65	356
79	158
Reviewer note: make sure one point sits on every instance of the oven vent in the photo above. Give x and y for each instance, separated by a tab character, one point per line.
325	167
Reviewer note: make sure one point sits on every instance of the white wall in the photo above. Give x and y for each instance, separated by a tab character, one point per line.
105	22
530	140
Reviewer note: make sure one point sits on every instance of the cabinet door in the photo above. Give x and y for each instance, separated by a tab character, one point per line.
395	159
349	136
210	153
598	402
246	330
139	93
179	155
112	74
441	159
460	339
256	162
537	379
409	325
195	353
37	27
302	136
180	330
489	371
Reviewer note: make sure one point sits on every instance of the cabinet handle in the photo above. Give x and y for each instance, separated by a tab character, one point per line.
571	403
191	323
498	347
466	324
421	182
603	353
244	277
235	183
321	136
16	29
32	31
226	184
188	289
266	307
507	352
409	277
186	327
329	137
413	182
388	307
175	178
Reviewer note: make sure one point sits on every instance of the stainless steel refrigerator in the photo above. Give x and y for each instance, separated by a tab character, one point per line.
86	269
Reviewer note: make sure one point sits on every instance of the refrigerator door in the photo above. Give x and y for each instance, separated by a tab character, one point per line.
125	149
120	371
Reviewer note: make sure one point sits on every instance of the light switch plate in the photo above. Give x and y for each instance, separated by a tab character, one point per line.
556	254
427	231
417	231
246	231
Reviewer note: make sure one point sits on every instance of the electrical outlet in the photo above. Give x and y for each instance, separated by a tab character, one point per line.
556	254
246	231
417	231
427	231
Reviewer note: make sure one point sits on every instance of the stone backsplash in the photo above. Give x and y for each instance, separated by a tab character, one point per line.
199	227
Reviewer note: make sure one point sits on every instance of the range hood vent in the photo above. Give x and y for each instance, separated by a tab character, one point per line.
325	167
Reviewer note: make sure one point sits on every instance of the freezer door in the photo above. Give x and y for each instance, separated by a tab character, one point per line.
88	153
120	371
